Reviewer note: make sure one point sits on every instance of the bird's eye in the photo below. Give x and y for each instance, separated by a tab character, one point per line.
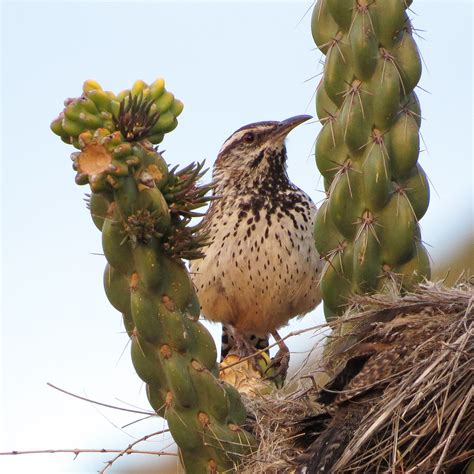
249	137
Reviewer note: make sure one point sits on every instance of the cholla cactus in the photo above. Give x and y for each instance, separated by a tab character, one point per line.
143	210
367	151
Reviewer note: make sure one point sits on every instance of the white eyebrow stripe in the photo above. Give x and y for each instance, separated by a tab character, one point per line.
238	134
232	139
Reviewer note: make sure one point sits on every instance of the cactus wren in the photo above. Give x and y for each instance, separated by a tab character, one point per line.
261	268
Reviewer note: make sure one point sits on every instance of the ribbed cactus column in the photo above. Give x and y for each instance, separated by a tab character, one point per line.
143	210
367	150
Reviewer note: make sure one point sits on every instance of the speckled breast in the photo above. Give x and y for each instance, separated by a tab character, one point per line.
261	268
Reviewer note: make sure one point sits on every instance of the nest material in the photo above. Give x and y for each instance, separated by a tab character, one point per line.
400	395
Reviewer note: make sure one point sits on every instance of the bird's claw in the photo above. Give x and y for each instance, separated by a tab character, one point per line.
277	370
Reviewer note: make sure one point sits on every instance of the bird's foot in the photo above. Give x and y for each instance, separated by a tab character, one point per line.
258	362
241	345
244	368
244	349
278	367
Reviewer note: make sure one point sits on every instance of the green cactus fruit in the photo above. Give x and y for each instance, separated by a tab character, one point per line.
153	108
367	150
144	210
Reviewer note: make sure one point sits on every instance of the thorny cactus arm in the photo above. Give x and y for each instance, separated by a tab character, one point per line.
143	210
367	151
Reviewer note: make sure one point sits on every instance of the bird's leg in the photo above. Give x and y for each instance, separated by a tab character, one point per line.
246	347
240	344
281	361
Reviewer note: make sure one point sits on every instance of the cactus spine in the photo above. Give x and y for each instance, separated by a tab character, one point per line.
143	210
367	150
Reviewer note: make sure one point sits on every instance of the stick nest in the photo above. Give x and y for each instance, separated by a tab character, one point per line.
398	392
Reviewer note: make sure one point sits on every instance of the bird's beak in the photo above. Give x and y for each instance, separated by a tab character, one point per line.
285	126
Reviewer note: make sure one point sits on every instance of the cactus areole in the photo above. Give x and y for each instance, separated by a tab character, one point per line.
367	150
143	210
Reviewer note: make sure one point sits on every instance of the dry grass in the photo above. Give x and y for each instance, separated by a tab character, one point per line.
273	424
416	412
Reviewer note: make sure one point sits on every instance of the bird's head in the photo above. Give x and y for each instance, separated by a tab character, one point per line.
255	149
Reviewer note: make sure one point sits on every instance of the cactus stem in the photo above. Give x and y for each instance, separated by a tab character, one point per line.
377	143
144	212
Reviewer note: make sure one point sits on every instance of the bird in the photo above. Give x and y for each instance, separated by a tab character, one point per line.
373	357
261	267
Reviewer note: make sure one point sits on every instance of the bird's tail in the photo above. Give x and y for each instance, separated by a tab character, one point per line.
228	341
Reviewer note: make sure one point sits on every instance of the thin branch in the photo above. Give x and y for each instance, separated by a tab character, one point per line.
78	451
141	412
129	448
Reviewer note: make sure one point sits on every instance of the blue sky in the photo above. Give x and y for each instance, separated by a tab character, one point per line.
231	63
